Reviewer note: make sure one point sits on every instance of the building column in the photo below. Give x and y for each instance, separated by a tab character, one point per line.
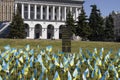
16	8
53	13
41	11
29	11
31	33
65	13
47	13
59	13
22	11
35	11
44	33
42	36
76	14
71	9
56	33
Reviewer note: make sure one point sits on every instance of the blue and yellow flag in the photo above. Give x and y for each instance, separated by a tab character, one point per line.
76	72
21	59
56	76
72	62
85	74
7	47
69	76
1	78
27	47
49	48
99	74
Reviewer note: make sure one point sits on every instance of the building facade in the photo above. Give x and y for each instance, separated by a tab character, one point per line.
116	17
6	10
44	18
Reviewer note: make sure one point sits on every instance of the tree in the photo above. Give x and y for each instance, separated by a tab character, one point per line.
70	23
17	28
82	29
96	24
109	28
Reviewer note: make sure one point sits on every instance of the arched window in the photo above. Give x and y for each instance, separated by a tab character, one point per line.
27	30
38	31
50	31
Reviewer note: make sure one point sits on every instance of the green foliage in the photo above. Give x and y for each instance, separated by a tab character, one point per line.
109	28
70	23
17	28
82	30
96	24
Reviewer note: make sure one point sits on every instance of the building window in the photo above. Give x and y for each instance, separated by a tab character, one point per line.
26	11
10	12
26	8
32	15
38	16
55	10
5	13
50	17
117	31
26	14
55	17
50	10
32	12
44	17
44	9
32	8
38	9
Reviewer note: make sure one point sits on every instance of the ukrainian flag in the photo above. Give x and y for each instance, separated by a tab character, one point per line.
49	48
56	77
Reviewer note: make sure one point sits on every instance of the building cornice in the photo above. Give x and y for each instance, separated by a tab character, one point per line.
44	2
55	1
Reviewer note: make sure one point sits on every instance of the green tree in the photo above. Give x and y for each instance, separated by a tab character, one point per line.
17	28
82	29
96	23
70	23
109	28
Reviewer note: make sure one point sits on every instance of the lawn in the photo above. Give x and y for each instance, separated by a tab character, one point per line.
57	44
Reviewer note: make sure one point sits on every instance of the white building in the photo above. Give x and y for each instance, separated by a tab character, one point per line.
116	17
44	18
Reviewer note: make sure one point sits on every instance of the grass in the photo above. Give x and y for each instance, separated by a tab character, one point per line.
57	44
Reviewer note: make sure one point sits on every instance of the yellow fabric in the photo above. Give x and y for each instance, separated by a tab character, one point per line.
0	67
21	59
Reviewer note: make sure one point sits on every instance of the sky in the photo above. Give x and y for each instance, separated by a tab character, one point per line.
105	6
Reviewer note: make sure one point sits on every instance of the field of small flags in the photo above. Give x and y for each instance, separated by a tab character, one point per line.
42	64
